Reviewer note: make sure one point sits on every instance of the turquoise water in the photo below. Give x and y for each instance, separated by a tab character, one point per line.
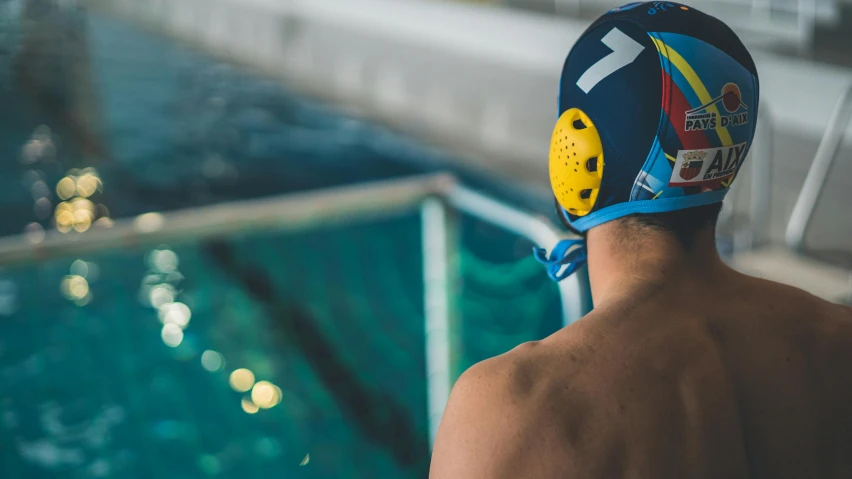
92	386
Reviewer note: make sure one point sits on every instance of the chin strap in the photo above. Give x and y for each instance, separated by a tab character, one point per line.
562	262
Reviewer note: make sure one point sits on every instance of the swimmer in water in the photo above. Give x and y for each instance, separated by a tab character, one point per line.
685	368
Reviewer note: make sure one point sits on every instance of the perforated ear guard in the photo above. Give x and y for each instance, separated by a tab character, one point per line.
674	98
576	162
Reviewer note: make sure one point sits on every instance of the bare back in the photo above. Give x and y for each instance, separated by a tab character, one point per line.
734	378
748	380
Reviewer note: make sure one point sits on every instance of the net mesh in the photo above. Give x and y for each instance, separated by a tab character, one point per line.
103	376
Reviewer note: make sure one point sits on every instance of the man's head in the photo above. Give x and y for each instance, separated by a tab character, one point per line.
658	107
657	110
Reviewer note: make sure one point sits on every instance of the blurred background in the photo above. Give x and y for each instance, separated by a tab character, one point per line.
245	238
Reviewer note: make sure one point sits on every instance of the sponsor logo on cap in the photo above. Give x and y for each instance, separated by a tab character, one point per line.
731	99
693	163
699	167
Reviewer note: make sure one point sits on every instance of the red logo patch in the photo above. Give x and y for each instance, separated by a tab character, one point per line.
693	161
690	169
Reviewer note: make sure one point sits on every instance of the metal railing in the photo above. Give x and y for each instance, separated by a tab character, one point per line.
439	198
761	178
811	191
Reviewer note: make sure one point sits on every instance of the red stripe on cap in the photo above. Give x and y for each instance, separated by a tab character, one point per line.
676	109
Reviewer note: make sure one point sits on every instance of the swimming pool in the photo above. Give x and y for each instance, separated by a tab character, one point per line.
330	323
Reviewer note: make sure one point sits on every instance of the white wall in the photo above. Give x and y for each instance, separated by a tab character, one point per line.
400	54
479	80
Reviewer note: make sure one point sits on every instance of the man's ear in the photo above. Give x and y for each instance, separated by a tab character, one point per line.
560	212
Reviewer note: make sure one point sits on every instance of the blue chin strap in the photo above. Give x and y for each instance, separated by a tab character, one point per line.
563	260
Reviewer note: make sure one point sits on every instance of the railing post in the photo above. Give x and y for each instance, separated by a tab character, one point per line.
761	179
575	300
818	173
806	16
440	285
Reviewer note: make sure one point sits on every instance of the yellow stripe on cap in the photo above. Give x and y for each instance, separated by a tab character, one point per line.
696	84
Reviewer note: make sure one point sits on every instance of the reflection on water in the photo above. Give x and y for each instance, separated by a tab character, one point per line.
206	381
56	451
257	355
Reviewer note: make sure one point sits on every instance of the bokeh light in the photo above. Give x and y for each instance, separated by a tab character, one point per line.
163	260
77	214
80	268
241	380
31	176
42	133
148	222
161	294
268	447
103	223
212	361
87	185
31	152
34	233
42	208
74	287
306	460
209	464
64	217
39	189
94	271
175	313
249	406
102	211
84	300
265	394
65	188
39	147
82	220
172	335
82	204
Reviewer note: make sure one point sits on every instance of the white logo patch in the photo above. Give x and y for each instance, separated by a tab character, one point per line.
696	167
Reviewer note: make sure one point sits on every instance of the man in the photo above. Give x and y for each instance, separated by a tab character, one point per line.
685	368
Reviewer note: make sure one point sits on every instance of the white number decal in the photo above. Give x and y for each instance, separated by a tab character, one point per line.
624	51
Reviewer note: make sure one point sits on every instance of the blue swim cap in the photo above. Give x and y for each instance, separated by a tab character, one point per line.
657	111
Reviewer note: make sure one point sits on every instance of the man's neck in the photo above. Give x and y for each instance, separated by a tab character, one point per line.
621	266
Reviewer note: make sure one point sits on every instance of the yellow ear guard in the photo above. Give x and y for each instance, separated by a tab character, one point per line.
576	162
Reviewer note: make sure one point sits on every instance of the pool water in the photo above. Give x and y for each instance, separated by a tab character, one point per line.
94	384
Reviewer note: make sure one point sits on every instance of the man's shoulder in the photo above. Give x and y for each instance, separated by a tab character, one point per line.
499	408
518	374
506	382
527	373
528	378
804	312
